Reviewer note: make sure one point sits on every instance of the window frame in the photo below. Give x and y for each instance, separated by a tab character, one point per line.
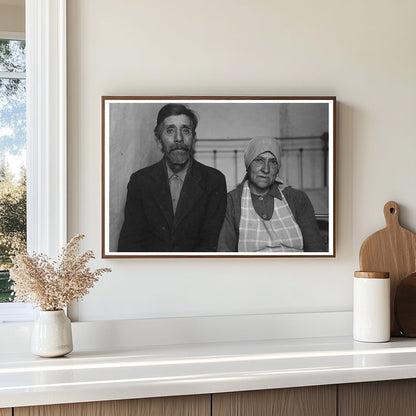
46	125
46	113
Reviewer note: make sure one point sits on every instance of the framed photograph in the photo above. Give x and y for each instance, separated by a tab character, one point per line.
218	176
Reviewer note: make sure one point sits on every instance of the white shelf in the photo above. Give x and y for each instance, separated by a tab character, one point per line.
150	371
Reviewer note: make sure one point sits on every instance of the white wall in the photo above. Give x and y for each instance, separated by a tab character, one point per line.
360	51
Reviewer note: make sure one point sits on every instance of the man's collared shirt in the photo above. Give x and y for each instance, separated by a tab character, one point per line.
176	181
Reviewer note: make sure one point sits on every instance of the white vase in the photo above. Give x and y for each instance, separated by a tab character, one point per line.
52	334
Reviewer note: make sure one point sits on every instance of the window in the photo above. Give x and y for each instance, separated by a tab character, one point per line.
46	135
12	155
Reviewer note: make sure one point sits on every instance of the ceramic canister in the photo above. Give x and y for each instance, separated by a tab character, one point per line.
371	308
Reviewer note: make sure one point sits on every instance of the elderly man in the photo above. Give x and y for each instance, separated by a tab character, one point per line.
177	204
262	214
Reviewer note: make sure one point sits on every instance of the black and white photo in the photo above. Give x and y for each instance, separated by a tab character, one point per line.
218	176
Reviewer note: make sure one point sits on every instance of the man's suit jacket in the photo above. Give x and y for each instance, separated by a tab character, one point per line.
149	221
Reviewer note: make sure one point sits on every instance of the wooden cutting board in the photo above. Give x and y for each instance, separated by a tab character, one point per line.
393	250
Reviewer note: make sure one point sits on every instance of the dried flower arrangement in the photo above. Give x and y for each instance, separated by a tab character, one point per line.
52	285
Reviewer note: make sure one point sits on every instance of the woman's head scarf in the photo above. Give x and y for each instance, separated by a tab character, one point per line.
259	145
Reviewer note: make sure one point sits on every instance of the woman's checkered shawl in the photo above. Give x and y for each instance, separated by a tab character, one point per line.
280	233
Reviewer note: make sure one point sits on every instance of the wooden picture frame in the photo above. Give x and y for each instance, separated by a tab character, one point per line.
304	127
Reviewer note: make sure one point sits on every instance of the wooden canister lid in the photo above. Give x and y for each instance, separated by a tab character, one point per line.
372	275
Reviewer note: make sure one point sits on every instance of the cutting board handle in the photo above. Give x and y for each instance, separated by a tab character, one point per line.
391	214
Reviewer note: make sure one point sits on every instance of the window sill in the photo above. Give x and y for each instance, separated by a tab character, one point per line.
16	313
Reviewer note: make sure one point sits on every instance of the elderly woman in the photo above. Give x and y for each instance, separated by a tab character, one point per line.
264	215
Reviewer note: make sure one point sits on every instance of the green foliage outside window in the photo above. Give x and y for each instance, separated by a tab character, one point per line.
12	224
12	148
